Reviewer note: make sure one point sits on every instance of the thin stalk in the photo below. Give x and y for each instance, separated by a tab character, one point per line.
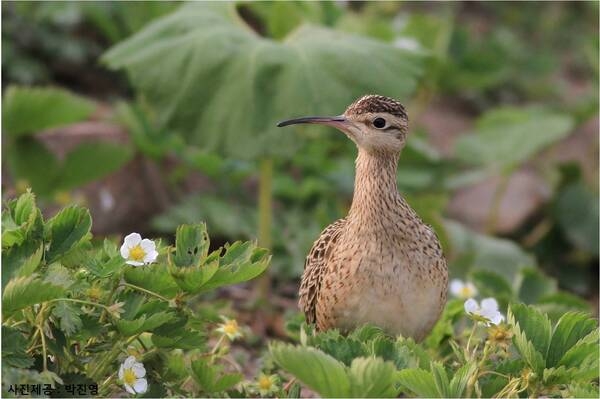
265	203
135	287
44	350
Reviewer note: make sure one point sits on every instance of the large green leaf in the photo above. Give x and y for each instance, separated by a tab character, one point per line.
576	210
532	334
191	245
27	110
14	349
505	137
319	371
211	78
420	382
22	292
497	255
534	284
67	229
371	377
572	327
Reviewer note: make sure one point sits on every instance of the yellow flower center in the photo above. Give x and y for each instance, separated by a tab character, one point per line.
264	383
230	327
465	292
94	293
129	377
137	253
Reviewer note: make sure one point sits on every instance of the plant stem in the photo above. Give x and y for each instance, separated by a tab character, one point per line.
135	287
44	350
78	301
265	202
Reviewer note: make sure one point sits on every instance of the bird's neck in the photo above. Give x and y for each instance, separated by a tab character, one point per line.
375	188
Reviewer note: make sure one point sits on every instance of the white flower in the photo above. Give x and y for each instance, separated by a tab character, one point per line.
137	251
132	374
230	328
488	311
462	290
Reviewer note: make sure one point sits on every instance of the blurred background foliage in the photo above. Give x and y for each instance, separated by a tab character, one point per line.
155	114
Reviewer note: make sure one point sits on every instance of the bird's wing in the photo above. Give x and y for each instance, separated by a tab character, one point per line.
315	267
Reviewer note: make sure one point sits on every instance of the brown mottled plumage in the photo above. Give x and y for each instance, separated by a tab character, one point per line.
380	264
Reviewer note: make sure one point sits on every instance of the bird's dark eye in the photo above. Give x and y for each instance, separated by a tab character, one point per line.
379	123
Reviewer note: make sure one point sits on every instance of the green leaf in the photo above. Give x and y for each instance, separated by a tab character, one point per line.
440	378
325	375
191	245
31	161
91	161
104	269
22	292
371	377
14	349
420	382
497	255
67	229
143	323
204	53
28	110
576	210
241	262
155	278
460	379
192	279
59	275
207	376
534	284
532	334
491	284
571	328
68	315
507	136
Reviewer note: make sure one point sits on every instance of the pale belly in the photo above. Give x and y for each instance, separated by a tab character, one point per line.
402	301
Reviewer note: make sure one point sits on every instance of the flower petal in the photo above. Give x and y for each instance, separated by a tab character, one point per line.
134	263
121	371
456	286
496	318
125	251
147	245
132	240
129	362
129	389
139	370
151	256
471	306
489	305
141	385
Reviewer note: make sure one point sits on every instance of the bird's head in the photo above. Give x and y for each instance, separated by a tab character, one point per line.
374	123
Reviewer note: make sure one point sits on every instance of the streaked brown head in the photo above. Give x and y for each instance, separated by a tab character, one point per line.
375	123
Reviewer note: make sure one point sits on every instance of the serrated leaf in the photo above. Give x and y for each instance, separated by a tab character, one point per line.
155	278
244	263
104	269
571	328
144	323
420	382
22	292
67	229
440	378
460	379
191	245
52	107
68	316
531	334
192	279
59	275
371	377
242	79
325	375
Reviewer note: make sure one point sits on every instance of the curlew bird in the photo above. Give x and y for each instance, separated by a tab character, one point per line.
380	264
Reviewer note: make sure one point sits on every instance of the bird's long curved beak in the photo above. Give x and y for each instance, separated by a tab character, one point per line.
336	121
